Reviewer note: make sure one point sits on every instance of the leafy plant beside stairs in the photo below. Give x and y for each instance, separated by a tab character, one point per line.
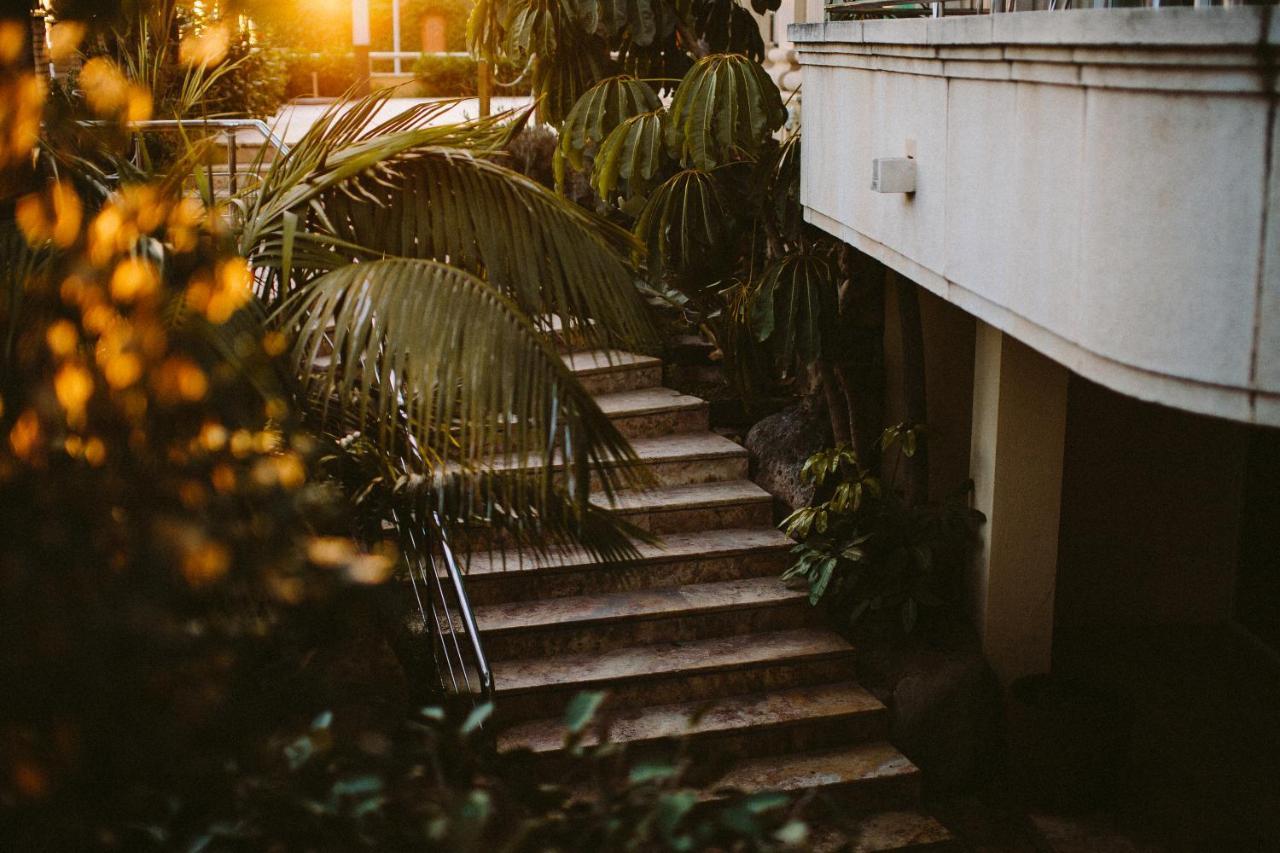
865	549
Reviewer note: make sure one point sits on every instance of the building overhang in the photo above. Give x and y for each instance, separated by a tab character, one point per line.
1103	185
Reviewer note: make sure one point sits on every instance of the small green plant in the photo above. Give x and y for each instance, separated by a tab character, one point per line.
450	75
864	548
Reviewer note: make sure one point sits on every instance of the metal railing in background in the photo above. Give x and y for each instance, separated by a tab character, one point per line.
226	128
870	9
460	662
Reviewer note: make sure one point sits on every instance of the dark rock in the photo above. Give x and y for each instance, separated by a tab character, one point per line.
780	444
946	716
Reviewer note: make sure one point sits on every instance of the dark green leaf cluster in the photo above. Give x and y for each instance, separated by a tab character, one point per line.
865	552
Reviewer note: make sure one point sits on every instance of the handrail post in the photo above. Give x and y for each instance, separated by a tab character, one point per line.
231	158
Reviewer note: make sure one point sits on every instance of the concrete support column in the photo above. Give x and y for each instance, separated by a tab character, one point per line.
1016	450
360	43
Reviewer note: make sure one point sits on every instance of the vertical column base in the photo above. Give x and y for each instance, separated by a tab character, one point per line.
1016	451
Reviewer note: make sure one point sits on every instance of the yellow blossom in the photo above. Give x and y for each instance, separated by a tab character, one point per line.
73	386
213	436
24	437
223	478
95	452
13	38
206	563
64	39
133	279
205	48
62	338
105	88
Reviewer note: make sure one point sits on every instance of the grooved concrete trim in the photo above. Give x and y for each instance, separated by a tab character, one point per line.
1102	185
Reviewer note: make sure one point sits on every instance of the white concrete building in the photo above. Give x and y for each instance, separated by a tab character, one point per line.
1096	228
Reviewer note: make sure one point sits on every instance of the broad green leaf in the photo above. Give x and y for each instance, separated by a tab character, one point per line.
726	108
582	710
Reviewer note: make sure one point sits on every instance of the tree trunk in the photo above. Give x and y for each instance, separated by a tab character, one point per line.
837	405
913	389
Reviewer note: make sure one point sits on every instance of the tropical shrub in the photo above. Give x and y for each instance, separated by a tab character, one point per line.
256	82
333	70
864	549
453	75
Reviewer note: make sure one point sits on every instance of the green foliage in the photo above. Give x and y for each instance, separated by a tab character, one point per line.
452	75
574	44
795	305
598	112
631	154
327	73
255	83
683	221
724	109
864	551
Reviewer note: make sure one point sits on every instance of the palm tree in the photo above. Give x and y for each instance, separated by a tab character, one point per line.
420	279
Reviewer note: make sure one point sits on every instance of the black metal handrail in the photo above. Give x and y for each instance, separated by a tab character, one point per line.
440	594
226	125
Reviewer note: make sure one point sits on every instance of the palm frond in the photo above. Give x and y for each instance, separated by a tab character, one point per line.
549	255
683	221
633	153
420	349
724	109
600	109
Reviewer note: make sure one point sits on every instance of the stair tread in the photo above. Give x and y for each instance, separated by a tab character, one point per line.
708	543
645	401
896	830
688	496
653	603
776	708
858	762
680	447
586	362
665	659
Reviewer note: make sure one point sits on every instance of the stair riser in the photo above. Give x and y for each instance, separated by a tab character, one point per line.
664	423
677	520
744	743
598	637
622	379
684	472
680	520
677	687
889	792
496	587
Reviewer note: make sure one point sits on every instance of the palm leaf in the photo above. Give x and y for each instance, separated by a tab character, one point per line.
683	221
418	348
550	256
633	153
795	306
601	109
724	109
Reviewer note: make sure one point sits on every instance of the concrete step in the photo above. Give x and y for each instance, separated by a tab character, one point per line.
679	558
592	623
870	775
900	831
609	371
700	457
672	460
694	506
654	411
672	672
671	509
731	727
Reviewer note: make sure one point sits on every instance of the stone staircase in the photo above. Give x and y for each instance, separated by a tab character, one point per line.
697	637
